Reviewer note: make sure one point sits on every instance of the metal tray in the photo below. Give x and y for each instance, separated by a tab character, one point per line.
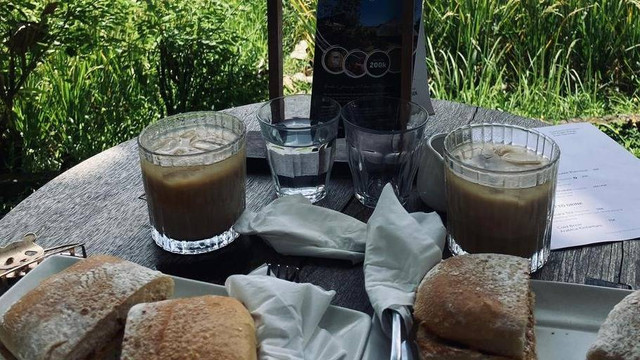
568	317
349	327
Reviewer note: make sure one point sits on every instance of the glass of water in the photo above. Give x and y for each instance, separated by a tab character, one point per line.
300	134
384	139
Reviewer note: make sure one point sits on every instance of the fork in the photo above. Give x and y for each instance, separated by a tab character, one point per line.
285	272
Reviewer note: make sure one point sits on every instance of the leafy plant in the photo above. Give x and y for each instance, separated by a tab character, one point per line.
626	133
94	102
196	59
33	33
28	37
98	84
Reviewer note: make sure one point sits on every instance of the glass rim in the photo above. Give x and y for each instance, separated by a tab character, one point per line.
193	114
552	161
412	104
329	122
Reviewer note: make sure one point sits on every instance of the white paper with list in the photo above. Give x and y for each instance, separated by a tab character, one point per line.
598	191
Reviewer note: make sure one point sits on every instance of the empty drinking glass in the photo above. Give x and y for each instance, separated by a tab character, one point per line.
384	139
300	135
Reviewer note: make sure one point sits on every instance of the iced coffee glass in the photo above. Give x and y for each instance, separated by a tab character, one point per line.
500	186
194	171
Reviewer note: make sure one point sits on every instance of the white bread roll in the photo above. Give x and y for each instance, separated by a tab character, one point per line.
476	306
619	335
204	327
78	312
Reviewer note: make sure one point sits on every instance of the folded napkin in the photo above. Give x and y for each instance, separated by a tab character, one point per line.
287	316
294	226
401	249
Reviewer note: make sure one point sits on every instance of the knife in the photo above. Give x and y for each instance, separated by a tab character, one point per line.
402	348
396	335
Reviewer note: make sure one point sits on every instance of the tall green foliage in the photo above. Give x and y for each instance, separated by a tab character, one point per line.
96	100
107	68
73	77
542	58
29	33
195	57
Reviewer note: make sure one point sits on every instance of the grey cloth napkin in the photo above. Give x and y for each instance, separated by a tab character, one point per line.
294	226
287	316
401	249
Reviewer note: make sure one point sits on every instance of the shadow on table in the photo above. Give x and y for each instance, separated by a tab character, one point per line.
249	252
240	257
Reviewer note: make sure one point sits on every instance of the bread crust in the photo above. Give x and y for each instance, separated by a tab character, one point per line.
481	301
78	311
204	327
619	335
434	348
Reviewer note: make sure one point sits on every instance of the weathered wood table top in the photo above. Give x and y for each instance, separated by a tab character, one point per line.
99	202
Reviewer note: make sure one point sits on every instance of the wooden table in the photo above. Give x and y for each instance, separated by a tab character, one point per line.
99	202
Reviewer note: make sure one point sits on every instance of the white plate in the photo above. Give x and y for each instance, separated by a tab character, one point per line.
349	327
568	317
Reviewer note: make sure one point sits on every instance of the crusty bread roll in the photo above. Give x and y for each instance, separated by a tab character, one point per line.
434	348
619	335
79	311
204	327
477	306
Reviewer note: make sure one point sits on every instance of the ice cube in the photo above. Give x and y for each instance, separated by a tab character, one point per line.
167	146
488	151
175	146
183	150
205	145
189	135
521	158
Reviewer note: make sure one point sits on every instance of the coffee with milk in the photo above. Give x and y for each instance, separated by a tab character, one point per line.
504	218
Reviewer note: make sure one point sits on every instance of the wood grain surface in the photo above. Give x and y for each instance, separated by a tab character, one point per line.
99	202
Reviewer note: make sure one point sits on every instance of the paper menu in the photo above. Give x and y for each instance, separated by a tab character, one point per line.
598	190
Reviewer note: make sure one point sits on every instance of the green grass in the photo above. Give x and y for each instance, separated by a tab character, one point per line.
551	60
625	133
544	59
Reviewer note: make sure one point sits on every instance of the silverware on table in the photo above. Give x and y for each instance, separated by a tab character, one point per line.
285	272
20	257
402	346
396	335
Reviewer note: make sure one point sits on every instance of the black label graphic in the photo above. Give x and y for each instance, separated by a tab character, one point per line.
377	64
358	47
